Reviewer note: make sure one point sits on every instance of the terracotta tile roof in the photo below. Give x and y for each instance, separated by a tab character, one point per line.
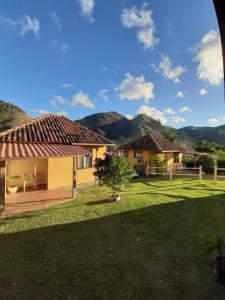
53	129
153	142
22	150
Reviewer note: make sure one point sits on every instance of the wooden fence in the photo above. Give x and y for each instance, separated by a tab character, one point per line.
216	170
190	172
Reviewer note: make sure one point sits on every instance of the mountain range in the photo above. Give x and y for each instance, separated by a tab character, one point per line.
120	129
117	127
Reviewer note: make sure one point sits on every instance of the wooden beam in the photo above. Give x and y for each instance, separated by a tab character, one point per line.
220	12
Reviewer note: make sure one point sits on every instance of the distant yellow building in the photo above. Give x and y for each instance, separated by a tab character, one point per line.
49	152
140	152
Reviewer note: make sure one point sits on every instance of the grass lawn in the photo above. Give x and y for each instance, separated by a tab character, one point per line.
153	244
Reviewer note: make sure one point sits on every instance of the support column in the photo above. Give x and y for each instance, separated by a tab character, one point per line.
74	178
2	182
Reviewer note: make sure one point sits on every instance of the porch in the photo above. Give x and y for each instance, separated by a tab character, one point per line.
35	199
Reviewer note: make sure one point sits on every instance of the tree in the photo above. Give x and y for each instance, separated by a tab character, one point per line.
205	146
114	171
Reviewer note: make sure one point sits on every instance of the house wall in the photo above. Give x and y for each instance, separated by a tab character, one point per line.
85	176
60	172
21	166
56	172
133	160
148	155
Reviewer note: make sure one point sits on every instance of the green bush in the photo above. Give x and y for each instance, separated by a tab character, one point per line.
220	159
189	161
159	163
207	163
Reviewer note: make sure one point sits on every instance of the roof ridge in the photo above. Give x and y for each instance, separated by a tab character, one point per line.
155	141
85	127
50	128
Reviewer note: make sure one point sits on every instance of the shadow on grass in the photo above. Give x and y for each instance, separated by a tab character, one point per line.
157	252
99	202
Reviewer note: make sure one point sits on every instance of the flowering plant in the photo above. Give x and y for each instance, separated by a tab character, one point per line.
114	171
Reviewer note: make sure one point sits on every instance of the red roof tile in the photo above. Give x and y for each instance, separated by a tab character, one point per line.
22	150
153	142
53	129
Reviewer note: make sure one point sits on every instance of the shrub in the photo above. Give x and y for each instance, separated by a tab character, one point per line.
189	161
207	163
159	163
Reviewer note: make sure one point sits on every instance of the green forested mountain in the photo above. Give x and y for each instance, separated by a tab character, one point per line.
117	127
11	115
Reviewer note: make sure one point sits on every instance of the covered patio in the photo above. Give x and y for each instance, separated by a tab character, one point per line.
54	167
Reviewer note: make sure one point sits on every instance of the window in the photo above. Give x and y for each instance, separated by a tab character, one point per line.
126	153
138	154
84	162
176	157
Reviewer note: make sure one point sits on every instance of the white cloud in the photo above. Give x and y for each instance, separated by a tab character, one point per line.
105	69
212	121
104	94
87	8
178	120
45	112
203	92
24	24
64	48
179	95
153	112
208	54
185	109
56	20
167	70
78	98
129	117
169	111
83	99
58	100
135	88
40	111
141	19
67	85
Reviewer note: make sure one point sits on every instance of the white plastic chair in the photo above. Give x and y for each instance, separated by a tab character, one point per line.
29	179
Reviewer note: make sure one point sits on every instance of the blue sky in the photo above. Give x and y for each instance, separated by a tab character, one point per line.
79	57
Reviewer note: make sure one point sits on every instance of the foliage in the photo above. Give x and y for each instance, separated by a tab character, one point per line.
11	116
189	161
158	162
114	171
220	158
207	163
173	137
206	146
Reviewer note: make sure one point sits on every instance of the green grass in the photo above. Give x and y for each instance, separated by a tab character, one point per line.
153	244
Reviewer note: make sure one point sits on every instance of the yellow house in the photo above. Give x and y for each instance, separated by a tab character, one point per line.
140	152
49	153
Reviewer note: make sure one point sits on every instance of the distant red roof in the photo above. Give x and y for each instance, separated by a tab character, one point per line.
22	150
153	142
53	129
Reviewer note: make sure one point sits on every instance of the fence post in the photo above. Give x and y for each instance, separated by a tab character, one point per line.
215	172
147	170
171	172
200	173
